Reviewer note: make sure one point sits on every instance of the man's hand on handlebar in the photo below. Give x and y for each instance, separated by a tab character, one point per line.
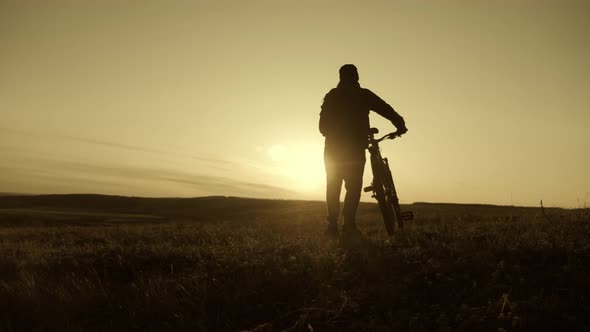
399	132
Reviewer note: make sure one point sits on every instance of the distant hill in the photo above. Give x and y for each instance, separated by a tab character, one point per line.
458	209
203	207
169	207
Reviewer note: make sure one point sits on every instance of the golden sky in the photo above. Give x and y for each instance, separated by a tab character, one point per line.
195	98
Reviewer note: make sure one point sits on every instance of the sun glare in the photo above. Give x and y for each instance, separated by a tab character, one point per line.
301	164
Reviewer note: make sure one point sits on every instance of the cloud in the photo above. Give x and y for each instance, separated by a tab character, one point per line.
209	183
72	176
221	163
31	171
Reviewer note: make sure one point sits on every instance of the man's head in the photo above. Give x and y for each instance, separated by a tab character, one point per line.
348	73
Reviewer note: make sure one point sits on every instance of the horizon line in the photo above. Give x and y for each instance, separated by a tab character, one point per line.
7	194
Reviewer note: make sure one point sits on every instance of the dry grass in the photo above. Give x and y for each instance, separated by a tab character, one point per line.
451	270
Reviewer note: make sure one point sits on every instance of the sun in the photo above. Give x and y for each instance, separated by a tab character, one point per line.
301	164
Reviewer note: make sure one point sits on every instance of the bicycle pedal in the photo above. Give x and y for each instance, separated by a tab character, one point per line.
408	215
367	189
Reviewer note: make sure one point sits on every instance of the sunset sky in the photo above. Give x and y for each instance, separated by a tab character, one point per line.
198	98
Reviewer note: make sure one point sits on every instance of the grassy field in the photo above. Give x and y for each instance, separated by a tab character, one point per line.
97	263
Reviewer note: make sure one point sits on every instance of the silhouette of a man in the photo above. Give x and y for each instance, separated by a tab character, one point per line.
344	121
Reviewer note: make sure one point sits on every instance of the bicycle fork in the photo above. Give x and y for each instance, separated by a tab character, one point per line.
392	193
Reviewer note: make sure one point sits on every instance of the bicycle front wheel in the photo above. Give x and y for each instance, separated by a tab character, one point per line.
379	187
391	195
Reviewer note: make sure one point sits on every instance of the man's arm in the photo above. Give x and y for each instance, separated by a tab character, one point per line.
382	108
326	115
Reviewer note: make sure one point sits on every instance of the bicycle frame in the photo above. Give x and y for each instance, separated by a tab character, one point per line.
383	186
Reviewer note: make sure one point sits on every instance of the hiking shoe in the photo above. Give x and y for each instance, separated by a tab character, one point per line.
350	231
331	231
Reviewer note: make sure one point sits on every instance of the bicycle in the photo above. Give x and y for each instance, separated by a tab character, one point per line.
383	187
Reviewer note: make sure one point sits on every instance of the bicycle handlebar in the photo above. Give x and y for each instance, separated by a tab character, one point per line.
391	135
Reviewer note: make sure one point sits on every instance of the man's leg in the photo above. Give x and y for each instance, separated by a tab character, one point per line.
353	180
334	180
